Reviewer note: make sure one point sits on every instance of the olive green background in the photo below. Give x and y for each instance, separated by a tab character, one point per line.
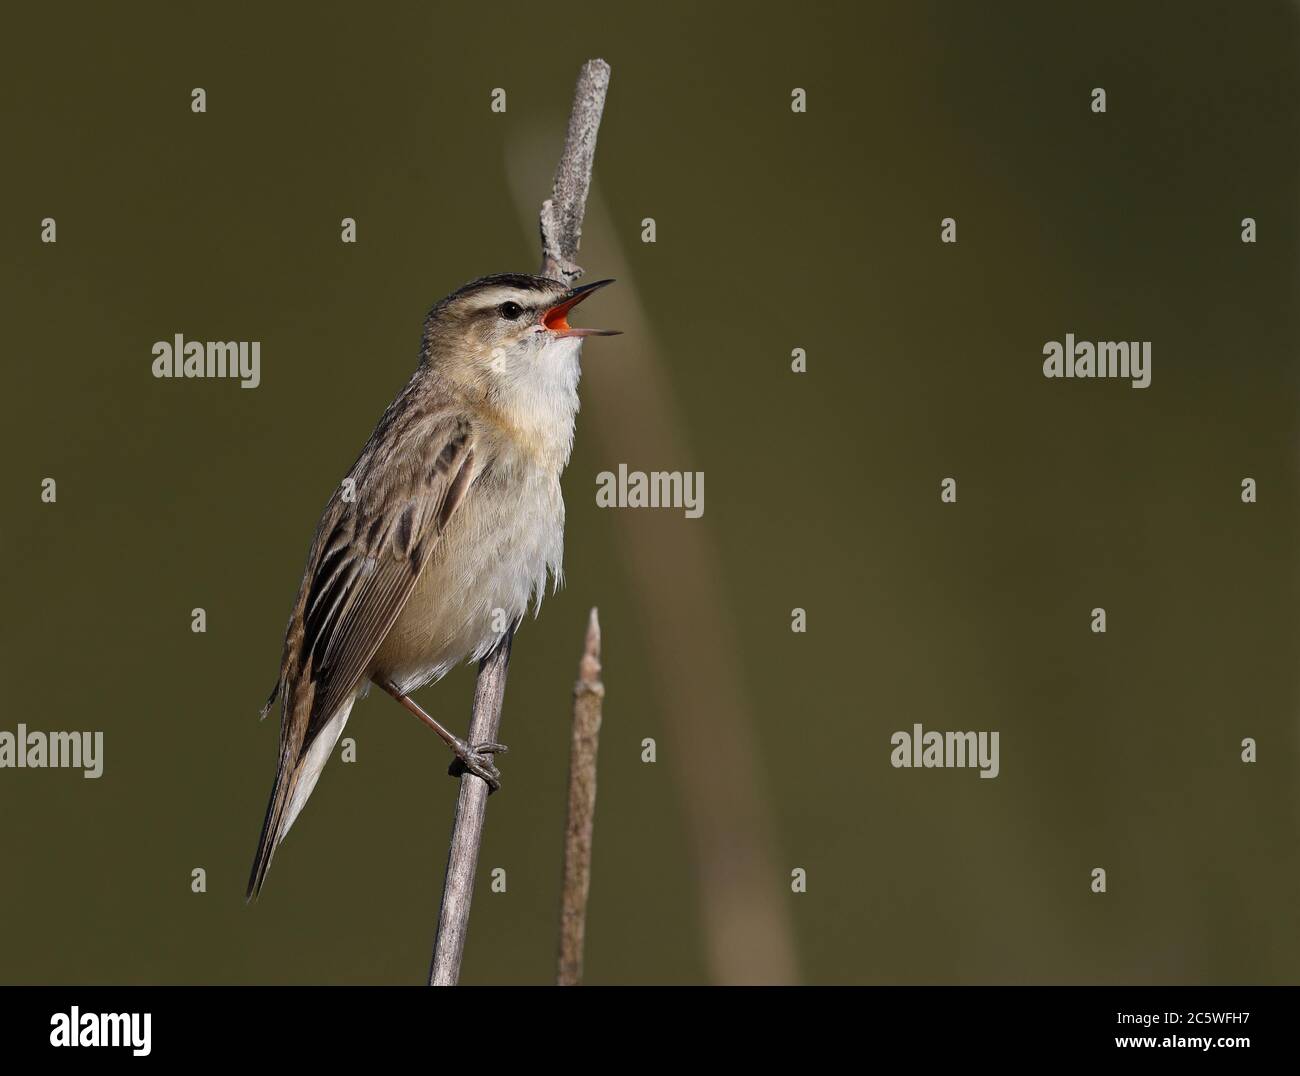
775	231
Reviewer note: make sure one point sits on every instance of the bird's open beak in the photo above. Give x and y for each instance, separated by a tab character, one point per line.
556	319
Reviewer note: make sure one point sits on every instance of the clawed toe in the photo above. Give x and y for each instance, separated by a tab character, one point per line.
476	759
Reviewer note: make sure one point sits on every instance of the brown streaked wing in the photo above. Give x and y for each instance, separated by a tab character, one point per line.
367	567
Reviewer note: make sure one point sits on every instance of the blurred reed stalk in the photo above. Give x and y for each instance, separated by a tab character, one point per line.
691	638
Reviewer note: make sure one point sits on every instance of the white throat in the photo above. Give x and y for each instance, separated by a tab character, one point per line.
540	394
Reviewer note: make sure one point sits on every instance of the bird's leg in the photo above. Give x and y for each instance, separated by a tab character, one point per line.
471	758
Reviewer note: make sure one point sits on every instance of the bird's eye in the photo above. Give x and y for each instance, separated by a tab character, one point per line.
511	310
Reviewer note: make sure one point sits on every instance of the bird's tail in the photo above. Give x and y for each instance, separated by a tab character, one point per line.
294	780
271	829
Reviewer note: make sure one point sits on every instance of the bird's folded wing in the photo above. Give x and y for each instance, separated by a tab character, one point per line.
376	546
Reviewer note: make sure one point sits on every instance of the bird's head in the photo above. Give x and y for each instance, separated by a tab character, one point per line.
508	327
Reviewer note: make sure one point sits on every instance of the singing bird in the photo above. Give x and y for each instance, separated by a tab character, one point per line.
443	533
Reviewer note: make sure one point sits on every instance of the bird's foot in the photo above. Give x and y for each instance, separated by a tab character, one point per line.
477	759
